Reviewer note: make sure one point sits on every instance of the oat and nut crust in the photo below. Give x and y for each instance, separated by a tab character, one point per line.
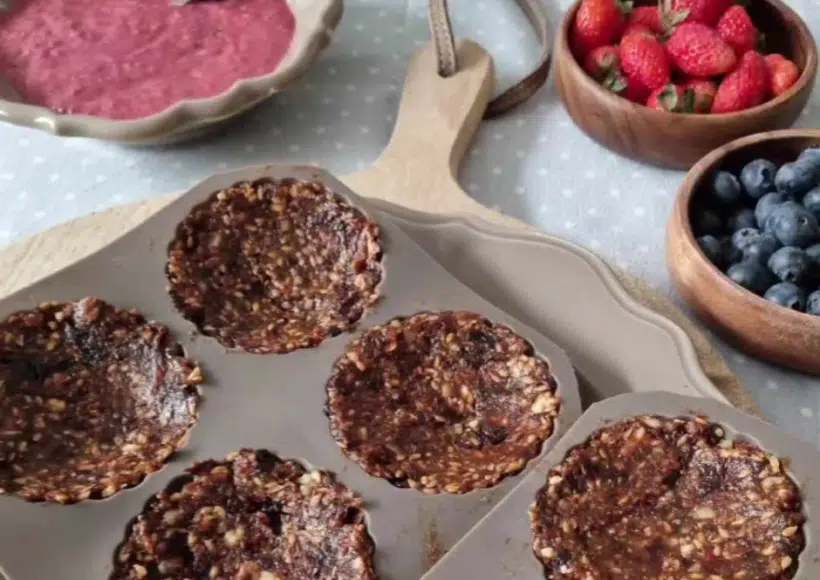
273	266
252	516
92	399
441	402
661	498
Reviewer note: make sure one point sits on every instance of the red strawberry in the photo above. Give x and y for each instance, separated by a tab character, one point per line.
649	16
598	23
745	87
702	94
667	98
704	11
783	73
637	28
602	62
644	62
630	90
698	51
736	28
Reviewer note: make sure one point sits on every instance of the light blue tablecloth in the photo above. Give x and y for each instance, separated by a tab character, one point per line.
533	164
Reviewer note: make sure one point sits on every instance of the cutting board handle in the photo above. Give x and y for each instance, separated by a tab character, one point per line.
437	120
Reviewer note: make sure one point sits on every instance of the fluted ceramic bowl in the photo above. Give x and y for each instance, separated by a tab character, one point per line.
315	21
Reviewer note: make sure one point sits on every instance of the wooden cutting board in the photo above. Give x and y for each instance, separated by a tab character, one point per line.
437	120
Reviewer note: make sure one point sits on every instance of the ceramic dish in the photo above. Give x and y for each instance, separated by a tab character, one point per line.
243	409
678	140
501	545
315	21
761	328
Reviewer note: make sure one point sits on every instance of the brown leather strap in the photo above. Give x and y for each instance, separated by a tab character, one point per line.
444	42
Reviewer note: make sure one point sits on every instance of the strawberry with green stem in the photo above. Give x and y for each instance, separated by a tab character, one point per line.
602	62
648	16
660	19
706	12
628	89
736	28
783	73
598	23
697	50
702	94
670	97
644	62
745	87
637	28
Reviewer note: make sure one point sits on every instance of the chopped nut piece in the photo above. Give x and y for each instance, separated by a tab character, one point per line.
273	266
247	518
674	503
409	408
97	399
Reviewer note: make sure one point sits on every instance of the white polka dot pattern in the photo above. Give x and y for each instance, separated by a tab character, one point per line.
532	164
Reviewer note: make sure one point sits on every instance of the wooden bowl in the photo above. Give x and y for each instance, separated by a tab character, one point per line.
678	140
761	328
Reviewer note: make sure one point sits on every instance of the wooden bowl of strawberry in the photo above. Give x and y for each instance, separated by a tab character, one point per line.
668	83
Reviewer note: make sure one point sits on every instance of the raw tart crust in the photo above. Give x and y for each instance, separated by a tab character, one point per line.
93	398
662	498
271	266
441	402
252	516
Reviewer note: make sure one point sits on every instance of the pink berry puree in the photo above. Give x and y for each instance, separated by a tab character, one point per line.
126	59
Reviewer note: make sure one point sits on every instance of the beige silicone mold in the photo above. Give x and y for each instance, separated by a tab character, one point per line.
501	545
274	402
315	22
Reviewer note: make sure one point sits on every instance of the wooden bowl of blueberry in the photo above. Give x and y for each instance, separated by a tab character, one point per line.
743	245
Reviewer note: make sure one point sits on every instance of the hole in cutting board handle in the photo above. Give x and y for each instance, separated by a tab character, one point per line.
436	121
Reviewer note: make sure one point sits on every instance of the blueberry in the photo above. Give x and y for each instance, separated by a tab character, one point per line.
726	188
791	264
751	275
744	237
706	222
813	303
766	204
811	155
813	252
795	179
811	201
788	295
792	224
731	254
742	218
761	249
757	177
712	248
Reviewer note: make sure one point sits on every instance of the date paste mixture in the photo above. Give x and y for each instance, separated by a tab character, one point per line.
441	402
92	399
273	266
252	516
668	499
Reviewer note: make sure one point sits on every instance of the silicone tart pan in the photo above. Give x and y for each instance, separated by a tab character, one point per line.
261	401
501	545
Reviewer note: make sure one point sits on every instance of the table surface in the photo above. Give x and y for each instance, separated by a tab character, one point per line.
533	164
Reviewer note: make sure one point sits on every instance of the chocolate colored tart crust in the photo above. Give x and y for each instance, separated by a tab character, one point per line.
273	266
92	399
655	498
443	401
252	516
